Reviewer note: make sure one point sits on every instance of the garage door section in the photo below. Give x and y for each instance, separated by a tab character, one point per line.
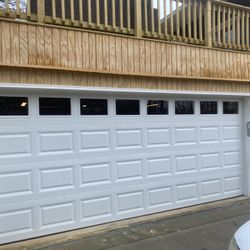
75	161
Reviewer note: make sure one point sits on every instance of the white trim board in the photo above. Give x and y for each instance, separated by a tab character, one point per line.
11	86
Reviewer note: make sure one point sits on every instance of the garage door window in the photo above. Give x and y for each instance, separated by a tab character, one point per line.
230	108
54	106
13	106
184	107
208	107
127	107
157	107
94	106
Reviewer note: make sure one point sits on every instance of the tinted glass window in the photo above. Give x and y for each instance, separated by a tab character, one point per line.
13	105
184	107
54	106
94	107
230	107
157	107
208	107
127	107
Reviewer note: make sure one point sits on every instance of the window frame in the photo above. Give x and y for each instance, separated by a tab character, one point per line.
184	100
98	98
218	107
55	116
17	116
130	99
157	99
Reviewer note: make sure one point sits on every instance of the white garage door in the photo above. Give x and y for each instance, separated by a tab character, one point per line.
81	160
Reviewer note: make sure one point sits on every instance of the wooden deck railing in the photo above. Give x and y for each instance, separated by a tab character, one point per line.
205	22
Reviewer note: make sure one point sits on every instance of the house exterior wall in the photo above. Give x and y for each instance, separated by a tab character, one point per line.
15	75
54	48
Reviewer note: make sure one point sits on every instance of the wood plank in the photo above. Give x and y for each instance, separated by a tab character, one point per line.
6	48
32	46
40	45
72	49
56	49
48	58
78	39
15	44
64	48
23	44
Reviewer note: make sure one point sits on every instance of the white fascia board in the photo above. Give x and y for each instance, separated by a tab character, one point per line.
11	86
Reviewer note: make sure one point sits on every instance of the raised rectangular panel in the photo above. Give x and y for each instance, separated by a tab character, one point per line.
159	166
232	184
187	192
97	207
128	138
211	187
231	158
19	221
209	134
158	137
129	170
95	174
160	196
130	202
95	140
11	145
186	163
57	178
210	161
15	183
185	135
57	214
56	142
231	133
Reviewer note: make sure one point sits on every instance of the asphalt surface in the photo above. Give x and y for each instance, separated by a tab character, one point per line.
205	230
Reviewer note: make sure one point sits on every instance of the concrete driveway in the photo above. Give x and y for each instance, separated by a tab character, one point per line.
210	227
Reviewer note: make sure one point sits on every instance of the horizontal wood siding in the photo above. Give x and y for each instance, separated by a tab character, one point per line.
64	78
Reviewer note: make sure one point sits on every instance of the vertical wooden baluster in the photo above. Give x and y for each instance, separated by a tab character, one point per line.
189	21
207	24
200	21
72	11
89	14
129	16
152	17
233	29
171	19
177	19
18	8
247	30
28	9
238	28
224	26
80	12
183	20
121	15
146	16
138	20
113	14
63	10
106	14
243	29
7	7
40	11
159	17
214	24
229	27
54	11
195	20
165	18
98	13
219	25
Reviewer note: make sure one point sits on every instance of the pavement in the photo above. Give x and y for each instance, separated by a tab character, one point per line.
208	227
